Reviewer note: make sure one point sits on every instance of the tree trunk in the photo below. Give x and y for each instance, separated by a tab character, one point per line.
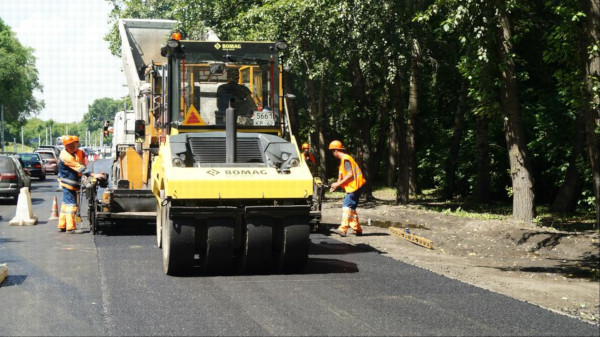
483	160
413	112
451	161
592	116
397	120
363	125
393	153
567	196
316	118
291	104
382	138
395	113
520	167
320	147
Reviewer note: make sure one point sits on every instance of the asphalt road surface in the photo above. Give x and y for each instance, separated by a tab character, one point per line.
113	284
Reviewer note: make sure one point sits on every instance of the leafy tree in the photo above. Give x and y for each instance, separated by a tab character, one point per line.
101	110
481	98
18	77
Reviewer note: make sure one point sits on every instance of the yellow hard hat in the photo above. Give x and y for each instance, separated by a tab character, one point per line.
336	145
305	146
68	140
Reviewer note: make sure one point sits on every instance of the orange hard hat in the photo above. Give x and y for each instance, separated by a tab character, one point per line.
75	138
68	140
336	145
305	146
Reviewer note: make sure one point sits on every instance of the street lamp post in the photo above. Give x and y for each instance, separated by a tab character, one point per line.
2	117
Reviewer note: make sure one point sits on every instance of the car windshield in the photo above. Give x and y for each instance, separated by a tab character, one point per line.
212	77
27	157
6	165
46	155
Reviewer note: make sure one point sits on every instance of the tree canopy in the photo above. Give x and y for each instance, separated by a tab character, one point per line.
488	100
18	77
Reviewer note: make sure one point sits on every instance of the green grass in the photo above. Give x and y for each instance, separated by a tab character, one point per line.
11	148
469	208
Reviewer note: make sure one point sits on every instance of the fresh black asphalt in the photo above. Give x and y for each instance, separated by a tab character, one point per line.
113	284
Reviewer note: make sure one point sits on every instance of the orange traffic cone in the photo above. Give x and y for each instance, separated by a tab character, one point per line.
54	214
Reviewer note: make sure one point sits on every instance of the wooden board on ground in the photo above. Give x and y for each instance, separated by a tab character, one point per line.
421	241
3	272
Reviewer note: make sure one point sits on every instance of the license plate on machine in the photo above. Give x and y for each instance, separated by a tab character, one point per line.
263	118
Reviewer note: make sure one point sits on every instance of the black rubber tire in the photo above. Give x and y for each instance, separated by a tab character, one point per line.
93	220
15	199
177	244
160	219
257	252
42	178
219	245
292	246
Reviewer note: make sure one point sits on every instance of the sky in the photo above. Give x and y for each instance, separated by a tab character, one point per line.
74	64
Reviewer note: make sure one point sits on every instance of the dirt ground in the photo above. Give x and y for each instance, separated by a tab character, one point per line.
540	265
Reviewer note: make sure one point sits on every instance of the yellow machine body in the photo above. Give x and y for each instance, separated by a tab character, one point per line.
235	182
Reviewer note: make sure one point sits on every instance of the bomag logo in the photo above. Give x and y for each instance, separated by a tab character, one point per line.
228	46
245	172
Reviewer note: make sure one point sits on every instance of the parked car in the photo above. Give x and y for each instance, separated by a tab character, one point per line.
55	148
49	158
12	177
34	164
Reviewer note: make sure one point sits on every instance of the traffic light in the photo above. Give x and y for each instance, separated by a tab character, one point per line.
106	124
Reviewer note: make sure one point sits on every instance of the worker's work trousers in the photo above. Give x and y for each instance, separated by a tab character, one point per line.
68	210
350	220
349	215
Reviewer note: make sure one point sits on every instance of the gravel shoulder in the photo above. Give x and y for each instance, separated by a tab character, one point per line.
540	265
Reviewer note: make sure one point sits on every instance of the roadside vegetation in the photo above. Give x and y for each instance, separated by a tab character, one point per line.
494	105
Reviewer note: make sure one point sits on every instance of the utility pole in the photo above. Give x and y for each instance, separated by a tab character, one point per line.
46	135
22	145
2	117
51	136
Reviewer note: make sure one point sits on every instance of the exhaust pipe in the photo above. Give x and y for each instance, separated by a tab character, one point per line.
230	135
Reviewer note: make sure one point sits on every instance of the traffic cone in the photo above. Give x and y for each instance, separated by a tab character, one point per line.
24	216
54	214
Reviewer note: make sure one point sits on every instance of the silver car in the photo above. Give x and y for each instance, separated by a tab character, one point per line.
12	177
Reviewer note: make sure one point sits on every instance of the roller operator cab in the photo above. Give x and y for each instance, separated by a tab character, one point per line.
232	191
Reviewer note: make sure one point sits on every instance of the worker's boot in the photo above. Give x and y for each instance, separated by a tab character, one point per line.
70	215
353	222
62	219
345	220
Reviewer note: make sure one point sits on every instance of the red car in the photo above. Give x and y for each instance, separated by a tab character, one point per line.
50	160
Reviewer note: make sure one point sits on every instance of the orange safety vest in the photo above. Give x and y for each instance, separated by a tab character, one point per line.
310	159
81	157
357	181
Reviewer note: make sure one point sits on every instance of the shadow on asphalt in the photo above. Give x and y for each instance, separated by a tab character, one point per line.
13	280
37	201
329	266
8	240
7	201
125	228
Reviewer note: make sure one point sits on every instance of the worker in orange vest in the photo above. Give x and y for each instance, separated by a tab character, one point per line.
309	158
80	155
70	171
351	179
